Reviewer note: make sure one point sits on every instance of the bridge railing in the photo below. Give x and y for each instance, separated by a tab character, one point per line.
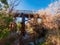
25	11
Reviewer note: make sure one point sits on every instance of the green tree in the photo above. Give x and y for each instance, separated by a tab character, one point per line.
6	18
4	1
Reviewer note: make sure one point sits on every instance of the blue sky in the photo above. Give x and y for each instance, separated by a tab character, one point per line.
33	4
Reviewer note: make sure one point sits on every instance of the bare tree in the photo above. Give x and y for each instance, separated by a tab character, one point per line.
13	4
10	4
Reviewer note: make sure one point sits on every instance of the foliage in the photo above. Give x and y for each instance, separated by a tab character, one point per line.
4	33
4	1
18	26
0	6
4	25
42	43
6	19
6	5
